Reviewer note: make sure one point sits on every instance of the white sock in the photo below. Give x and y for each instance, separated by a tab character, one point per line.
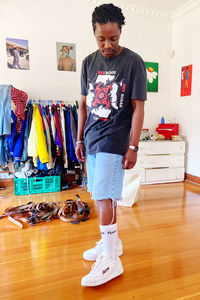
109	236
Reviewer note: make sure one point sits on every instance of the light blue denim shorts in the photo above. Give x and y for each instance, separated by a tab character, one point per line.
105	175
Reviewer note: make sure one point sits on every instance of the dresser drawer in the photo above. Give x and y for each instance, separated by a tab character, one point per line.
164	147
164	175
160	161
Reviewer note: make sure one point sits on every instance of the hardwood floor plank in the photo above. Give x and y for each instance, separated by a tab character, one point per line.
161	240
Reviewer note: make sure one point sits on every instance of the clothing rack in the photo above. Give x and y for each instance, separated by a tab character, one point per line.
50	102
16	134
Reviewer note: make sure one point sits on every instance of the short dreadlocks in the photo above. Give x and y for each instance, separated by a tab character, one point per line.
107	13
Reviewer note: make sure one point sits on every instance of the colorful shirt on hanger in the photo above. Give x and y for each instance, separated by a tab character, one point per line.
20	99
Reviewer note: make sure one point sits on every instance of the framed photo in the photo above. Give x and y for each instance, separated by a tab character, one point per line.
186	80
17	54
152	76
66	56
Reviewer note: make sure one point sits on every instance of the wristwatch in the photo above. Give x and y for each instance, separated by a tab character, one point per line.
134	148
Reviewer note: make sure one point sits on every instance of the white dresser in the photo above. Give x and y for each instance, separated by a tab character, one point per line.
160	161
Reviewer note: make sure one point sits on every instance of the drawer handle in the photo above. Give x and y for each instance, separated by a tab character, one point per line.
158	168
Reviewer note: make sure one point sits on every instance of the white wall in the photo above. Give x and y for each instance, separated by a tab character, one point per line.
187	109
151	38
43	23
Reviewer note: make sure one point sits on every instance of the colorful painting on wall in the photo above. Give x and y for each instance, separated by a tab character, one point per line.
17	54
66	56
186	80
152	76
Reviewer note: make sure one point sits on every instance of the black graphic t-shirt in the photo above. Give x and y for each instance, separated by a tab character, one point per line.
110	84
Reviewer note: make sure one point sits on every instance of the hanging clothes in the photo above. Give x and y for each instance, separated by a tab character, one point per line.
75	114
37	141
73	127
50	119
58	128
13	136
19	98
48	137
5	156
70	163
24	157
18	148
5	109
71	146
62	119
59	162
41	140
32	140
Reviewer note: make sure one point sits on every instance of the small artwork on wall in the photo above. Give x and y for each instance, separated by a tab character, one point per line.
17	54
66	56
186	80
152	76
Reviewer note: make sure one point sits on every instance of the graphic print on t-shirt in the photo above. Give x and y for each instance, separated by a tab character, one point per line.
105	94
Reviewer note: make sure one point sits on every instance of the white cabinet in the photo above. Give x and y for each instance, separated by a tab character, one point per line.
160	161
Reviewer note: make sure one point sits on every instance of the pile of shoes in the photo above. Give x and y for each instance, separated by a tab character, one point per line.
73	211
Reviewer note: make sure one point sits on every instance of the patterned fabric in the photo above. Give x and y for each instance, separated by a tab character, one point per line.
20	99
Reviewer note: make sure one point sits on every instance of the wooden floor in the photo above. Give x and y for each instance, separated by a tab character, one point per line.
160	235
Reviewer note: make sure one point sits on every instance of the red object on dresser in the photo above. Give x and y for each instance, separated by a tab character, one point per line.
168	129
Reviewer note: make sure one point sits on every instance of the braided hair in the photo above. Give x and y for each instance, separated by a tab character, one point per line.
107	13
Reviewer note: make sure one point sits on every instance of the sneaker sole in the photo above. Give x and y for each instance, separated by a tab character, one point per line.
93	259
92	284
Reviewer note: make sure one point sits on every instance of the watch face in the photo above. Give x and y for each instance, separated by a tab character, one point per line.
134	148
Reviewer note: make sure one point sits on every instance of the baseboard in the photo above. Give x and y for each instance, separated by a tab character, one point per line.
192	178
188	177
7	182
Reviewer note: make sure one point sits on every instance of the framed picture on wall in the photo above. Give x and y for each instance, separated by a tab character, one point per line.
66	56
17	54
186	80
152	76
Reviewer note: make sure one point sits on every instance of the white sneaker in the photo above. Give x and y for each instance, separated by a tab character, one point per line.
103	270
94	252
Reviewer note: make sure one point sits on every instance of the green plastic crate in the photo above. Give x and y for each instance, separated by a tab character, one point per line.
37	185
